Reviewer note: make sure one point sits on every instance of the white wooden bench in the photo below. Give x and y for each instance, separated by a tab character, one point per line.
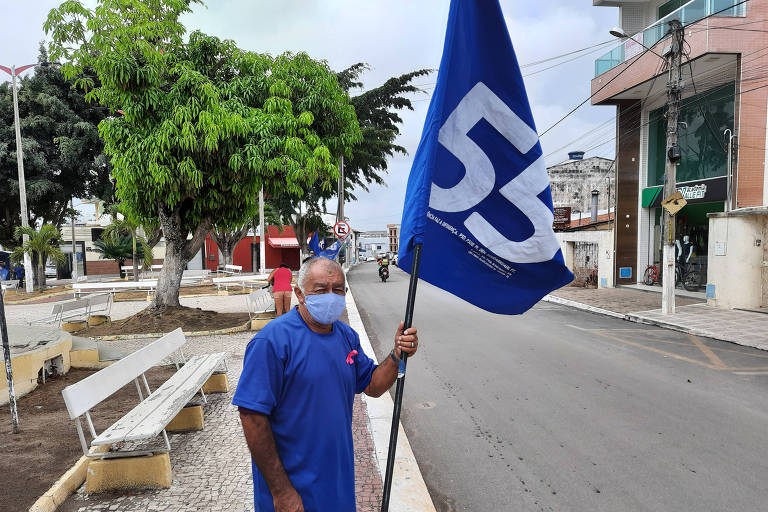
81	309
114	286
242	280
11	284
259	302
153	413
231	269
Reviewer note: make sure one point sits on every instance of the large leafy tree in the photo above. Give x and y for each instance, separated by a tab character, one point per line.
63	155
377	113
204	124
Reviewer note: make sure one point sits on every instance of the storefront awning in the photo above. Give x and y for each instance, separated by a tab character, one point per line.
652	196
283	242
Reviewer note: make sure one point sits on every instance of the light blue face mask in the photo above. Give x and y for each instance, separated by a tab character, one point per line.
325	308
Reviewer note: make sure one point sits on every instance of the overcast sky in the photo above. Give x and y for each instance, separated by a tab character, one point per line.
394	37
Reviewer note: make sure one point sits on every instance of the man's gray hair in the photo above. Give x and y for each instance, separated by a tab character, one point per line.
304	270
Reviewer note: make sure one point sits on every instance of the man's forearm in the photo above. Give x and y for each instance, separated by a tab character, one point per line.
382	379
261	443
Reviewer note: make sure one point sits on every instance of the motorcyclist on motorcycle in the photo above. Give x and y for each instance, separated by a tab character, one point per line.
384	268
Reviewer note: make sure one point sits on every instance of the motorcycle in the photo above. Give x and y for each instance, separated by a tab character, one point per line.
384	273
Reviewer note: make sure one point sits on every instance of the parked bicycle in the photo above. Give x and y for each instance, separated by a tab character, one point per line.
686	274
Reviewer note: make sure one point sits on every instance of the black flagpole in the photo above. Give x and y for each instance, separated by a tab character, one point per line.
400	381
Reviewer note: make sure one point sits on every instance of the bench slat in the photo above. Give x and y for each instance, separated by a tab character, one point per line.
85	394
150	417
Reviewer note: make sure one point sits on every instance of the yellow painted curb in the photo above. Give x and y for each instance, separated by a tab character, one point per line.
229	330
66	485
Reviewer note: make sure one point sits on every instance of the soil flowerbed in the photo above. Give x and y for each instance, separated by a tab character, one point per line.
149	322
48	446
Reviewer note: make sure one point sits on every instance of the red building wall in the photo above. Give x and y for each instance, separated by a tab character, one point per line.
243	251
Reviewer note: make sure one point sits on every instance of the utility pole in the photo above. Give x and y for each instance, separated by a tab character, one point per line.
674	94
74	246
28	273
262	234
340	207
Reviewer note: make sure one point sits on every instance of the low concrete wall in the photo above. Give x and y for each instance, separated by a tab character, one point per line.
27	365
604	241
737	266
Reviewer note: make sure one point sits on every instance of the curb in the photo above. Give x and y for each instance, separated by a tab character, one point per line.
65	485
409	492
229	330
638	319
585	307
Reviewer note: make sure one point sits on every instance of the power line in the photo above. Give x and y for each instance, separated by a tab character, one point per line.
630	65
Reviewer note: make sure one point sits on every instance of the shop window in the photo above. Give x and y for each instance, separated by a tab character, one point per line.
701	141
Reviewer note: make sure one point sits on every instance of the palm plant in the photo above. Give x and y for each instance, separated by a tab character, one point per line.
125	225
119	249
41	245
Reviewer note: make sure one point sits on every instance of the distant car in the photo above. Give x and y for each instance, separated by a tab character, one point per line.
50	271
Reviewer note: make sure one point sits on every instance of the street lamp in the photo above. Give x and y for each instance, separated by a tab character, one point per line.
28	273
618	32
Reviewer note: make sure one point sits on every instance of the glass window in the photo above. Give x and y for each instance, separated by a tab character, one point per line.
670	6
701	139
719	5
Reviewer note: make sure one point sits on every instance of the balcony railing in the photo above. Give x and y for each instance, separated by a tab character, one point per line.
689	13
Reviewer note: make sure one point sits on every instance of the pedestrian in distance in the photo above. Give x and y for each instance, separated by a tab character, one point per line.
280	279
3	272
295	395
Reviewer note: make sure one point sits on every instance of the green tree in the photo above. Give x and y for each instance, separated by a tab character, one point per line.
41	245
118	248
63	155
377	114
204	125
123	224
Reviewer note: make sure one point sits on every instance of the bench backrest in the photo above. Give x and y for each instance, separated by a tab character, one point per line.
157	267
259	300
128	267
73	305
85	394
237	268
99	301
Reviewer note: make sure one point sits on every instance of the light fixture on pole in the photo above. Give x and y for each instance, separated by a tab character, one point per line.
28	273
619	33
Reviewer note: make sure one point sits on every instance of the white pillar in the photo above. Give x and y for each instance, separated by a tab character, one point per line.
262	234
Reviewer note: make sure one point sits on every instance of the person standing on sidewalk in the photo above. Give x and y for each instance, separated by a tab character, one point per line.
280	279
295	396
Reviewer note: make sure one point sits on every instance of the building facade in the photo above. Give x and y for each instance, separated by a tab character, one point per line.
372	243
394	237
722	66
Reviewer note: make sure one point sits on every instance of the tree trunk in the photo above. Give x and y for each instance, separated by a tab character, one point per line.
135	260
178	252
300	228
227	240
41	277
226	253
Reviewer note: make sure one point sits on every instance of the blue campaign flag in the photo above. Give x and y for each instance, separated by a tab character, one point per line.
478	197
318	247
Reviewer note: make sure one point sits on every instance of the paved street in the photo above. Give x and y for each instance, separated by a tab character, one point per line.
561	410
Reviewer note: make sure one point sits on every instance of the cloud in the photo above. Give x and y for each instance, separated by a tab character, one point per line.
394	37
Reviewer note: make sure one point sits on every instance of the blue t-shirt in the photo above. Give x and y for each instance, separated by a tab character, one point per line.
302	381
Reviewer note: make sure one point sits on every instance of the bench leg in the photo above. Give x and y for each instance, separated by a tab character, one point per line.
152	471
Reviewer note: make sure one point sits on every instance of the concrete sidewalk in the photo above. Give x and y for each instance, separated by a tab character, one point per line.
692	315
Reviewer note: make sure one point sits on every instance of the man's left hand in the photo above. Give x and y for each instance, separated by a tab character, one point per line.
406	341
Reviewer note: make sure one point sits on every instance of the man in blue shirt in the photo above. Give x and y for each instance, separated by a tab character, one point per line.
295	395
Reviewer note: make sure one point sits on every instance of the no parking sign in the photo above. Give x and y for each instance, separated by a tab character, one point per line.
341	229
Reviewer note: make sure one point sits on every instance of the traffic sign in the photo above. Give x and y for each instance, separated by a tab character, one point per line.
341	229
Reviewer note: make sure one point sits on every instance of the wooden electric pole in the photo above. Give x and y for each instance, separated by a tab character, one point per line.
674	94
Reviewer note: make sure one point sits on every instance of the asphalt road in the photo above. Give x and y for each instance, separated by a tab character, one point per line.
563	410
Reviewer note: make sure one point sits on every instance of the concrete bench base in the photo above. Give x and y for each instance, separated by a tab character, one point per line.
94	320
189	419
74	326
223	293
151	471
216	383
